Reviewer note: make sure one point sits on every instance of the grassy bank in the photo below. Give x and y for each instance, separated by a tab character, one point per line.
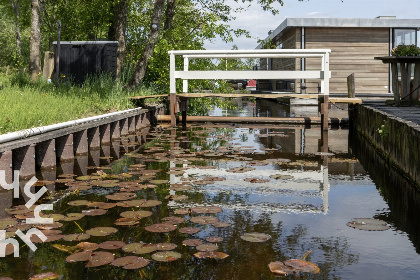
25	104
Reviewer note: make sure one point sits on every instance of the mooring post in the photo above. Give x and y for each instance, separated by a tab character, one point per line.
351	90
183	108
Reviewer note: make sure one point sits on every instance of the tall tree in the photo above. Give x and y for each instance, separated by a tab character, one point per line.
117	31
35	42
169	15
141	66
15	6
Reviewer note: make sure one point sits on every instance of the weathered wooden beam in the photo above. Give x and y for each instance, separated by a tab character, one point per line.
351	89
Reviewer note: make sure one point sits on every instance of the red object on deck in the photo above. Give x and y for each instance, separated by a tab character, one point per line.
252	83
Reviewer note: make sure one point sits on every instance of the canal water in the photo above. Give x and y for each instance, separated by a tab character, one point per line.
263	179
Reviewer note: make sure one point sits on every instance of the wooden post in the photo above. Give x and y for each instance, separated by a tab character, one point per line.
405	79
172	108
416	81
183	109
324	113
351	89
395	86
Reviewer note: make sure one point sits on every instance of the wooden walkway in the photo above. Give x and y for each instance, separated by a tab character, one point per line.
406	114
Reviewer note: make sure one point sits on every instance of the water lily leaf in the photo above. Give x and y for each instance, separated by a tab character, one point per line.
87	246
102	205
173	220
182	211
158	182
255	237
281	177
76	237
368	224
139	203
55	217
204	220
79	257
131	262
49	226
163	227
101	231
211	254
176	197
45	276
207	247
293	266
207	209
66	175
88	177
165	246
189	230
99	258
166	256
111	245
139	248
50	238
136	214
256	180
51	232
79	202
192	242
214	239
64	248
73	217
221	225
180	188
94	212
121	196
126	222
106	183
8	222
41	183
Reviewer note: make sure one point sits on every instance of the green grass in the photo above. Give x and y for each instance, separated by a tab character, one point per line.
25	104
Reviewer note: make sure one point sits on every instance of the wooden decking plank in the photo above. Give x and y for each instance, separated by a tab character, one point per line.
148	96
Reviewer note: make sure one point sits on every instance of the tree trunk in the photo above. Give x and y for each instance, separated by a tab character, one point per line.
35	41
170	12
141	66
15	6
117	29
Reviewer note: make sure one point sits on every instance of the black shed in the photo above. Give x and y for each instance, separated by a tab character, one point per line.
81	58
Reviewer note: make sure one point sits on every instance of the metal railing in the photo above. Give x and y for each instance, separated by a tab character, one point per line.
186	75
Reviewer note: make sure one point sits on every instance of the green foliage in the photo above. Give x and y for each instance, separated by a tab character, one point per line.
26	104
405	50
384	130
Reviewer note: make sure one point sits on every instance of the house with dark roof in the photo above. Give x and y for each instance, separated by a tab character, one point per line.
354	42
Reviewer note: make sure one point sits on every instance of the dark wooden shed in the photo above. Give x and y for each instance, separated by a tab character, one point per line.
78	59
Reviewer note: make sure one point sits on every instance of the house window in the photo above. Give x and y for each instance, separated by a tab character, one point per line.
405	37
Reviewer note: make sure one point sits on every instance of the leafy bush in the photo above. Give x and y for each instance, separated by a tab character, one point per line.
405	50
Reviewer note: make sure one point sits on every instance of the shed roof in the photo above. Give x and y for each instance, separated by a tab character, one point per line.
384	22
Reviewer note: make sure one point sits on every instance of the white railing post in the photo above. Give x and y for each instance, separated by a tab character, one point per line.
326	65
185	81
172	89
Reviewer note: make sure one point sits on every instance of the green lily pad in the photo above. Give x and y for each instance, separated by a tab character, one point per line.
182	211
204	220
99	258
192	242
163	227
79	257
87	246
165	246
101	231
189	230
281	177
111	245
293	266
255	237
136	214
79	202
207	247
131	262
221	225
7	222
121	196
102	205
45	276
173	220
73	217
126	222
139	248
207	209
76	237
94	212
139	203
88	178
211	254
158	182
166	256
368	224
214	239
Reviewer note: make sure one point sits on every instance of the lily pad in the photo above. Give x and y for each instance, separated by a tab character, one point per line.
87	246
158	182
368	224
207	247
73	217
139	248
204	220
55	217
79	257
131	262
207	209
101	231
182	211
173	220
121	196
192	242
221	225
8	222
165	246
189	230
281	177
99	258
293	266
255	237
139	203
102	205
166	256
76	237
136	214
79	202
211	254
111	245
126	222
214	239
176	197
162	227
256	180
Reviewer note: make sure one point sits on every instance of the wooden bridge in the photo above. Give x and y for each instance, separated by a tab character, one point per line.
180	100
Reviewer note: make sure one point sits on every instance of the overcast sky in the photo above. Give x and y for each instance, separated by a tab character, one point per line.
258	22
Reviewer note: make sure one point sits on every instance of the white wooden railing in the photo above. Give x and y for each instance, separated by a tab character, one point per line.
186	75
